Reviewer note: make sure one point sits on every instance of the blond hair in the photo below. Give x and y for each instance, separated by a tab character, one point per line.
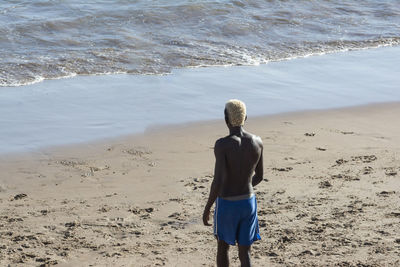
236	111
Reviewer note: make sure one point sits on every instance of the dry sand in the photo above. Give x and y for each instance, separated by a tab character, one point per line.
331	197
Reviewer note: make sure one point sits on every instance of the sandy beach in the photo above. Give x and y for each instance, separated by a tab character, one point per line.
109	112
330	196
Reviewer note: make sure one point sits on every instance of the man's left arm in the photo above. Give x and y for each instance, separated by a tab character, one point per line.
216	183
259	171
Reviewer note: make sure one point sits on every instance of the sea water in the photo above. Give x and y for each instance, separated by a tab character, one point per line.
165	62
86	108
48	39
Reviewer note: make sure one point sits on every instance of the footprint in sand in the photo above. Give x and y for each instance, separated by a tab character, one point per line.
367	170
194	184
390	171
262	223
345	177
19	196
179	200
138	151
346	132
324	184
386	193
308	252
340	162
44	212
364	159
285	169
70	163
47	261
177	216
144	213
104	208
393	214
301	215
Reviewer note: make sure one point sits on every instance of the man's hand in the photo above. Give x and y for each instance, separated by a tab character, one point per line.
206	217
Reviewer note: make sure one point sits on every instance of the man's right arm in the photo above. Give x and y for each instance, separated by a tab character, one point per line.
216	183
259	171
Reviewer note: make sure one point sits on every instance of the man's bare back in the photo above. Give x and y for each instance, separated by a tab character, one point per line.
238	156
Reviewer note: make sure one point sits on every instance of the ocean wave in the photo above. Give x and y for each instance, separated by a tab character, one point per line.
44	40
237	58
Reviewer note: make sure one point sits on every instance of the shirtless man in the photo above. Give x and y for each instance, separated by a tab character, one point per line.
238	156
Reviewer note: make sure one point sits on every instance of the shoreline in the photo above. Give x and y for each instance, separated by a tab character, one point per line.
189	126
331	197
188	68
82	109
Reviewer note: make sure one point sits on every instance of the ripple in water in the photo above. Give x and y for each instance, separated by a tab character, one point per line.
51	39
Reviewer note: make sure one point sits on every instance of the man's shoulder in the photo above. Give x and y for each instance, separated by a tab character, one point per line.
227	141
222	141
255	138
220	145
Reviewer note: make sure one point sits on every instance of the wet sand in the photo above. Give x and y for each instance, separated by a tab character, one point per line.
330	196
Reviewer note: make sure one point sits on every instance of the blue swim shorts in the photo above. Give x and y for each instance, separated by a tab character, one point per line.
236	220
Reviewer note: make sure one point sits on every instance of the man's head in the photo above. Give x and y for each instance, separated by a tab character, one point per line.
235	113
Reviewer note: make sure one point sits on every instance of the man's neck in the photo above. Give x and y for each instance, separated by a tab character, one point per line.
237	130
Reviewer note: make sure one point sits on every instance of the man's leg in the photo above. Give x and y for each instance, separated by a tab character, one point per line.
244	256
222	254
